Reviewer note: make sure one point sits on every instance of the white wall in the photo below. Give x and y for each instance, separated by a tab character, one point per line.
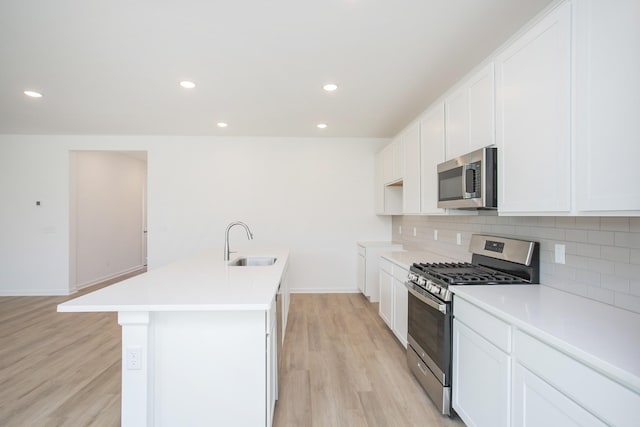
314	196
108	201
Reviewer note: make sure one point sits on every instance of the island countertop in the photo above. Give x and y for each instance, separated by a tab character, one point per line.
203	282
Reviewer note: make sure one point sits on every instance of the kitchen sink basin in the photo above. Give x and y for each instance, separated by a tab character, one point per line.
253	261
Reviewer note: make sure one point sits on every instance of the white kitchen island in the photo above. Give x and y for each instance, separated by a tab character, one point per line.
199	342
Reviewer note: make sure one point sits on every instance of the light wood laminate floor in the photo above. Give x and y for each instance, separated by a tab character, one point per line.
341	367
344	367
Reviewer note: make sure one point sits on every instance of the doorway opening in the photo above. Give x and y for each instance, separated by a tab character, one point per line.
107	215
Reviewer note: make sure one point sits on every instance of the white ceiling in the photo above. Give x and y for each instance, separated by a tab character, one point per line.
113	67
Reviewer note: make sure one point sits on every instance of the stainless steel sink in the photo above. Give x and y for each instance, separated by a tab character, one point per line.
253	261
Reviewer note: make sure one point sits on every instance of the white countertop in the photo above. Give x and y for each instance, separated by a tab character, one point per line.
602	336
202	283
378	244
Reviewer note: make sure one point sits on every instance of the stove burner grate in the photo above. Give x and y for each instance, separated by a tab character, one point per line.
451	273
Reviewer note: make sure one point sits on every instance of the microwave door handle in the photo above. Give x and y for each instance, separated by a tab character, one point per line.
465	168
470	172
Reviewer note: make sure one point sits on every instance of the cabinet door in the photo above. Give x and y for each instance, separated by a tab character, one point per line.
607	105
379	183
387	164
537	404
272	364
400	311
286	294
431	154
470	115
386	295
481	379
457	123
411	179
533	118
482	109
397	153
362	270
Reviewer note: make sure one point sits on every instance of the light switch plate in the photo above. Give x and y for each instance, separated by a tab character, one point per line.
415	232
458	239
435	234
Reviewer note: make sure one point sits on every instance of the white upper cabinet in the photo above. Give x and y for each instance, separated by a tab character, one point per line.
389	172
533	122
470	115
393	161
387	163
411	178
561	103
607	138
379	183
432	153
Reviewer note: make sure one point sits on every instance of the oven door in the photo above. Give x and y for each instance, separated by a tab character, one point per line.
429	349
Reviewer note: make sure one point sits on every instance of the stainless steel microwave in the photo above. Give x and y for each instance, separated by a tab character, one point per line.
469	181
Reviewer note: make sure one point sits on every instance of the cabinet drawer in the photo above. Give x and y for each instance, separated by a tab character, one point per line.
399	273
386	266
488	326
605	398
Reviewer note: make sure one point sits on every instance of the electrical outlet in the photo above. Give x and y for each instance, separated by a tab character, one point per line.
134	358
415	232
458	239
560	254
435	234
399	229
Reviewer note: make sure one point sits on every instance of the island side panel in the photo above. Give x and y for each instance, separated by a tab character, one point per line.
136	384
209	368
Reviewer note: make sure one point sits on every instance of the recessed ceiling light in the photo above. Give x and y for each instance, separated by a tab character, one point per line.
222	125
322	125
330	87
33	94
187	84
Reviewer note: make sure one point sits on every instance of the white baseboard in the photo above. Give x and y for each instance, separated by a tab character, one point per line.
105	278
323	291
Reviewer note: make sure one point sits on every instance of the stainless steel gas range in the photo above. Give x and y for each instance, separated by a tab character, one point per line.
494	261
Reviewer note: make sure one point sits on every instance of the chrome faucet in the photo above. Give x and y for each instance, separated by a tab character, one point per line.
226	237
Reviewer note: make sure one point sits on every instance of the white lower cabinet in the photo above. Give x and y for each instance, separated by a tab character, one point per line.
538	404
400	316
503	376
272	362
386	292
582	393
369	264
394	299
481	379
362	270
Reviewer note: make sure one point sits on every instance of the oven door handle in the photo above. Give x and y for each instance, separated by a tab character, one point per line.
431	302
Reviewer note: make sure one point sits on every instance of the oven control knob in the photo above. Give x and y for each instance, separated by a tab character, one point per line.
412	276
422	281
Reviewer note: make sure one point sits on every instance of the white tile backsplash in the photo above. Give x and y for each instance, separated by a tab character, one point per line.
602	253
